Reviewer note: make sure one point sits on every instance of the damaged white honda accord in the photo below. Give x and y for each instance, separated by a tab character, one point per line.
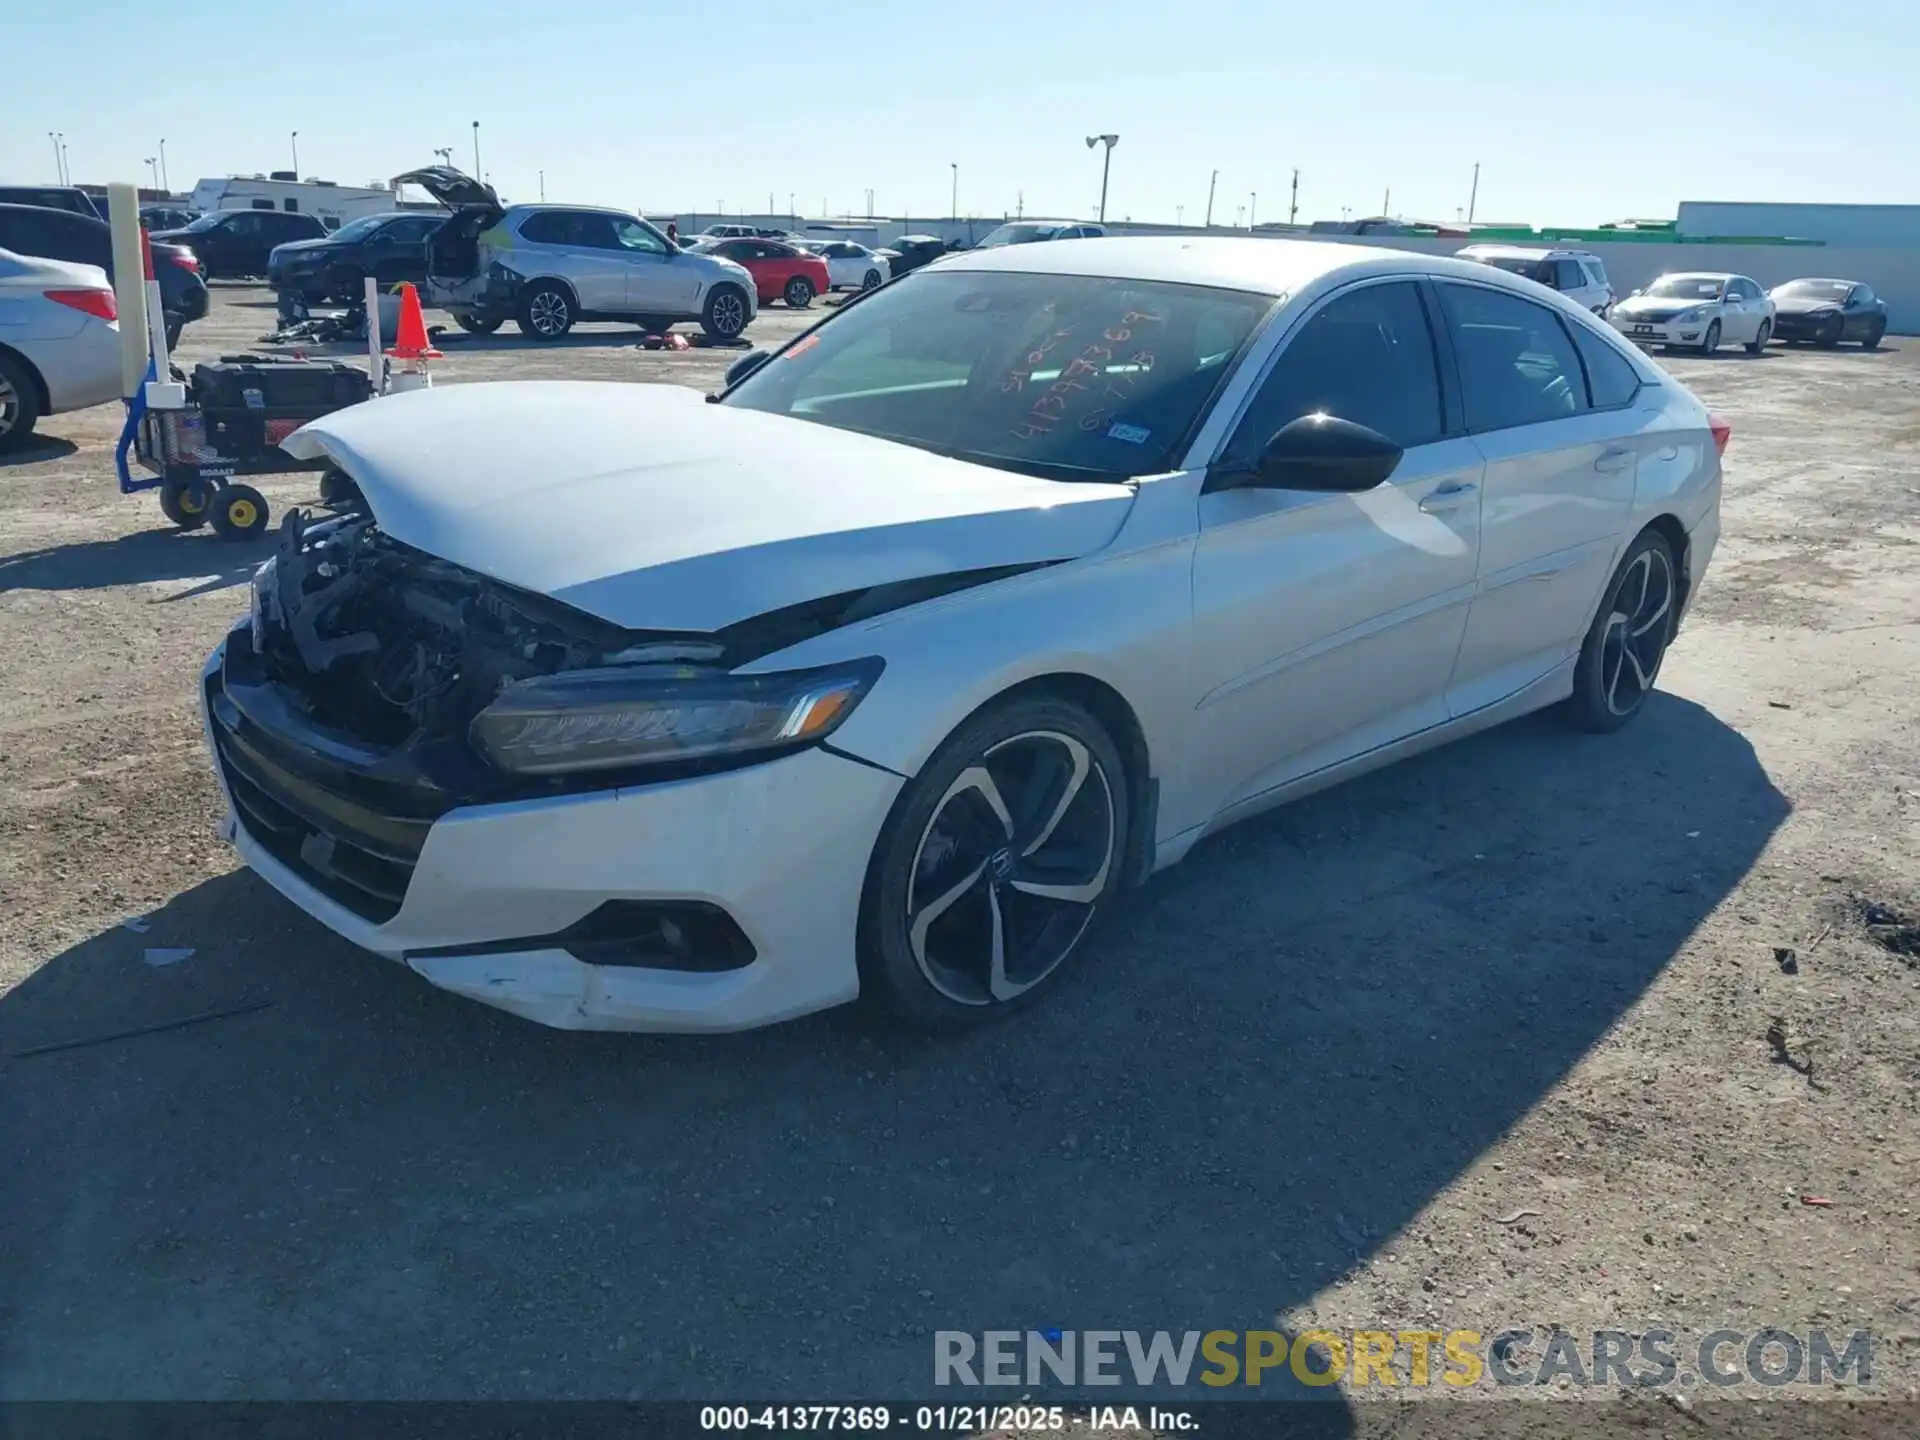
886	673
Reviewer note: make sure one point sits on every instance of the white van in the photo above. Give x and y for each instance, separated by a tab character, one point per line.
333	204
1577	274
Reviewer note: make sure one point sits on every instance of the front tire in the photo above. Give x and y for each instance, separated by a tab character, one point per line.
997	861
546	311
184	502
725	313
19	404
1628	639
871	280
1873	337
1710	341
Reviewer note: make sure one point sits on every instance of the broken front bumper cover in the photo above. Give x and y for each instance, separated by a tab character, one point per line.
780	849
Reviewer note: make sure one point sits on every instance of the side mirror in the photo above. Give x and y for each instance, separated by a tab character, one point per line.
1321	453
745	366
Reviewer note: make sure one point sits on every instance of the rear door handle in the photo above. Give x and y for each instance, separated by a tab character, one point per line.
1614	460
1443	497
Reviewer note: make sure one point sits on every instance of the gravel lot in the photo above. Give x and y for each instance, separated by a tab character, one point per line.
1305	1078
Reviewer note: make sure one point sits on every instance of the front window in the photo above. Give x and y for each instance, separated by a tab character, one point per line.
1686	287
1835	291
1061	376
1018	234
637	235
205	223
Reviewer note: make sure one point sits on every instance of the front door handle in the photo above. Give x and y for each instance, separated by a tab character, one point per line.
1614	460
1443	497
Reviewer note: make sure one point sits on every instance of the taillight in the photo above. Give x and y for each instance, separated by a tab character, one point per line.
93	302
1722	432
185	262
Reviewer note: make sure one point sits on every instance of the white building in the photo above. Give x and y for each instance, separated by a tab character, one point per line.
1864	225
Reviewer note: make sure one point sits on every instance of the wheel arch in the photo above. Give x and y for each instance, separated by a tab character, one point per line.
40	391
1668	527
548	278
1117	715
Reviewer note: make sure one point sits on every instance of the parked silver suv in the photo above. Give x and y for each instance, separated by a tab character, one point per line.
549	266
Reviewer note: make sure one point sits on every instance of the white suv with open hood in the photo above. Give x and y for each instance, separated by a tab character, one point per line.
549	266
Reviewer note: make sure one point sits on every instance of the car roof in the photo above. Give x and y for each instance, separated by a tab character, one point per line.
1816	280
543	205
1264	267
1528	252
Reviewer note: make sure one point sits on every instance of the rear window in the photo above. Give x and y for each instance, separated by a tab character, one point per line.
1539	270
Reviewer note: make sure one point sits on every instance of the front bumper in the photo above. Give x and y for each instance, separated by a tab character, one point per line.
1660	332
1808	327
781	847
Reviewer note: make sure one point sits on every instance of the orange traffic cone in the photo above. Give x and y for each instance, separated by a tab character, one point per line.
410	337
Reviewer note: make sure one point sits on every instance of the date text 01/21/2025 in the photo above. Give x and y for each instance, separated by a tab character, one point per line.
931	1419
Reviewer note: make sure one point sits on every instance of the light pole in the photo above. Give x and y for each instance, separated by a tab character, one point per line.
1293	204
1180	215
1473	196
1106	164
66	163
164	185
294	140
153	170
59	171
543	186
1253	207
792	214
445	152
476	150
1239	213
1210	184
955	164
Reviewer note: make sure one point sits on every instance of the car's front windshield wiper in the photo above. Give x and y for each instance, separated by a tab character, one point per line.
1039	469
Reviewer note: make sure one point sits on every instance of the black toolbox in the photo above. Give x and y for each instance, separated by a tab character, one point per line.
250	403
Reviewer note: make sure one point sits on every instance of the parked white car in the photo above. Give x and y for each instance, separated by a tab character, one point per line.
985	598
1580	275
59	342
851	266
1700	309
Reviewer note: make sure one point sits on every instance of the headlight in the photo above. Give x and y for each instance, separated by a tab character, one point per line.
607	718
1688	317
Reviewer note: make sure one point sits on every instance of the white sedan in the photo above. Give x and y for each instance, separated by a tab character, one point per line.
59	342
1700	310
888	673
851	266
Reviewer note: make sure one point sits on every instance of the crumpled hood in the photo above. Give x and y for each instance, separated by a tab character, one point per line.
654	510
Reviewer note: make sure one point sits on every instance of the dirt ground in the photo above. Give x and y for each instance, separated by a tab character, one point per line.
1475	1042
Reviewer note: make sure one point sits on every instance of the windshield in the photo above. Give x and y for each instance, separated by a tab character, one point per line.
1686	287
1834	290
361	228
1019	235
1517	265
1062	376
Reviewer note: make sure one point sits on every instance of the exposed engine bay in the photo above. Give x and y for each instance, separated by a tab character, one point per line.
397	648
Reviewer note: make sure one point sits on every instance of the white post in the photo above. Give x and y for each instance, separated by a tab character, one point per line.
129	284
163	392
376	362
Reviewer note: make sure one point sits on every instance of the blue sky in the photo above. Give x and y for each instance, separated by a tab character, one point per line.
1577	112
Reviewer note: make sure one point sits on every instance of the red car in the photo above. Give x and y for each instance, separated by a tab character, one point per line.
780	272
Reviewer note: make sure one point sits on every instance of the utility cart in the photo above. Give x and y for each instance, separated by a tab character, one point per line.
237	411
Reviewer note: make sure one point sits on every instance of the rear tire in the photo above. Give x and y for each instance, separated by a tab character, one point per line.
239	512
799	293
725	313
19	404
1760	339
1016	829
546	311
1710	341
1620	658
475	325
